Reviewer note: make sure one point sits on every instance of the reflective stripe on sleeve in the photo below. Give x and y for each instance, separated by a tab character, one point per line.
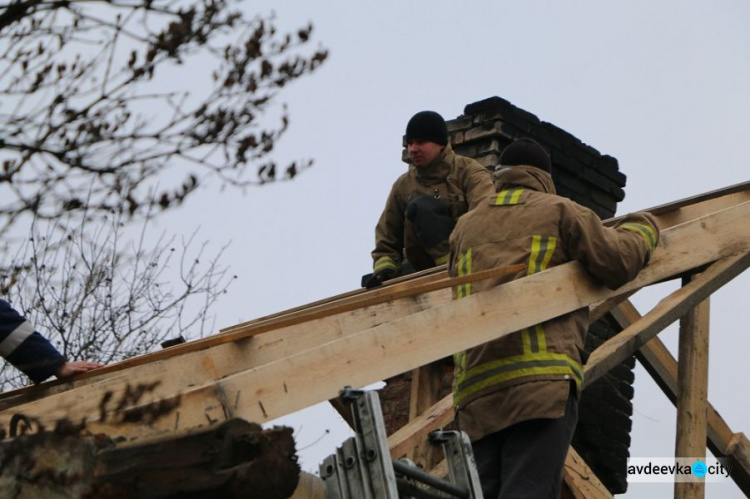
646	232
15	338
542	248
464	268
442	260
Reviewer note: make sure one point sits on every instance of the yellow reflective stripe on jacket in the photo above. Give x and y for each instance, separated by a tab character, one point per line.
508	197
542	248
464	268
385	262
442	260
462	291
534	341
646	231
510	368
459	367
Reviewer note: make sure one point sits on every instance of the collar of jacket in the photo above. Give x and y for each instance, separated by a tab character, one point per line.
437	171
528	177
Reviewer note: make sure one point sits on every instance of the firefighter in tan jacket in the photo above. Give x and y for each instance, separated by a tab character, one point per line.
426	201
517	397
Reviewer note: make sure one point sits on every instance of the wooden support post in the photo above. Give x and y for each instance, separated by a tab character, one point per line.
662	366
426	385
692	394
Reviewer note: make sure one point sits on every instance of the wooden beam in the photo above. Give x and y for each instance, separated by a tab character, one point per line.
426	388
662	366
581	480
309	487
194	368
350	302
692	393
667	215
416	431
300	380
625	344
375	297
220	461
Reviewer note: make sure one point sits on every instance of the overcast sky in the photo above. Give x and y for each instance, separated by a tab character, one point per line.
661	86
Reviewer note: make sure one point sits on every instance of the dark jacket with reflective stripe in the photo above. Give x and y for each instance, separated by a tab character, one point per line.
459	181
525	222
26	349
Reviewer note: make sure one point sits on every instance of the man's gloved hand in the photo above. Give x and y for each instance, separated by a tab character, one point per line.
379	278
432	220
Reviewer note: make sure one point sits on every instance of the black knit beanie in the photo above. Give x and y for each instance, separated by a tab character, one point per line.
526	152
427	125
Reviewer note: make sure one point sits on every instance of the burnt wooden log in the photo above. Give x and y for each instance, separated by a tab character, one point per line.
235	459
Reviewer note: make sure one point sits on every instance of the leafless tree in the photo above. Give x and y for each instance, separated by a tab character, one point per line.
99	294
96	106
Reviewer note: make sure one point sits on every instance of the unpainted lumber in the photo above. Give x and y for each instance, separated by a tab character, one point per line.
692	393
582	482
271	390
426	388
662	366
416	430
667	311
668	215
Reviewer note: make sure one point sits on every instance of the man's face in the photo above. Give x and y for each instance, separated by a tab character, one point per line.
423	152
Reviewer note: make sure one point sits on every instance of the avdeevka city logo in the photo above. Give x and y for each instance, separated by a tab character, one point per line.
699	469
681	469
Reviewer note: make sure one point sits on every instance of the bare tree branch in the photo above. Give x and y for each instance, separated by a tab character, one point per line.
98	295
100	91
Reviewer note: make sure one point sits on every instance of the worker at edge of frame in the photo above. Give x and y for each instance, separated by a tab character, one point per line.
30	352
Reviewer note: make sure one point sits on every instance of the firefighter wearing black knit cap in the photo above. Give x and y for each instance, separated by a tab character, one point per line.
426	201
517	396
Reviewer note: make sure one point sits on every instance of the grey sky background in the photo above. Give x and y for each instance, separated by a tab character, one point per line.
661	86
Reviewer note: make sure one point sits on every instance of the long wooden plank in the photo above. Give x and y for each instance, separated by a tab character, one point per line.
581	480
271	390
174	373
662	366
670	309
686	209
290	325
416	431
363	296
667	215
692	393
378	296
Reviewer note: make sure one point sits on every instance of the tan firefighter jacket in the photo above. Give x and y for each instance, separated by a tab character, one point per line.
527	374
459	181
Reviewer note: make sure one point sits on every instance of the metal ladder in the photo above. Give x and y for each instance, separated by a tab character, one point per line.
362	467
